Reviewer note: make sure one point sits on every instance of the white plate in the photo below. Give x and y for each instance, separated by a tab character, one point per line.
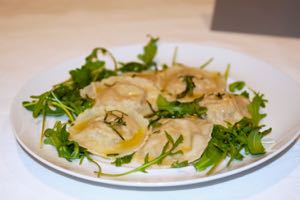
283	114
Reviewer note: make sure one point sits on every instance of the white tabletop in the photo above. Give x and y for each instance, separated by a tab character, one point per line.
38	35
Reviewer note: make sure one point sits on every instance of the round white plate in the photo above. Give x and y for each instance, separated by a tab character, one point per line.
283	114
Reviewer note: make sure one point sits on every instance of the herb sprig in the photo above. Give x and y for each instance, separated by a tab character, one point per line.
169	149
123	160
189	88
113	119
146	58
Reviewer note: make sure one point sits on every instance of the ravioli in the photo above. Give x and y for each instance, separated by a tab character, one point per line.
116	126
123	88
155	77
196	134
205	82
223	108
110	130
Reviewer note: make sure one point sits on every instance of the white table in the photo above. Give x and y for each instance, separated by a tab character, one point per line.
35	36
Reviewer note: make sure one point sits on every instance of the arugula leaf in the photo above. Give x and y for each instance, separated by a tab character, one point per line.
245	94
146	57
257	102
190	85
64	98
123	160
149	52
229	141
168	150
92	70
177	164
210	157
176	109
254	143
236	86
58	137
133	67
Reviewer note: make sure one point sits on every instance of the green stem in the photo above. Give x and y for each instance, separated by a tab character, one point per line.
43	126
206	63
174	58
63	106
212	170
142	167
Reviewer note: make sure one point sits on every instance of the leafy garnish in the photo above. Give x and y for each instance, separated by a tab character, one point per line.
231	140
175	109
147	58
92	70
254	143
149	52
236	86
245	94
254	107
133	67
189	88
123	160
169	149
64	98
70	150
177	164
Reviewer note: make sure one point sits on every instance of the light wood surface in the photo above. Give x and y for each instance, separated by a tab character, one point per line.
41	34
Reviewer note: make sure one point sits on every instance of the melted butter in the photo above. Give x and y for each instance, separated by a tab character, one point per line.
125	145
186	149
81	126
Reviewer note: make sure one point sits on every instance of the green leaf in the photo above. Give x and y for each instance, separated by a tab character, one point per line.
133	67
210	157
58	137
236	86
149	52
176	109
147	58
123	160
254	143
92	70
178	164
229	141
81	77
254	107
38	108
245	94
